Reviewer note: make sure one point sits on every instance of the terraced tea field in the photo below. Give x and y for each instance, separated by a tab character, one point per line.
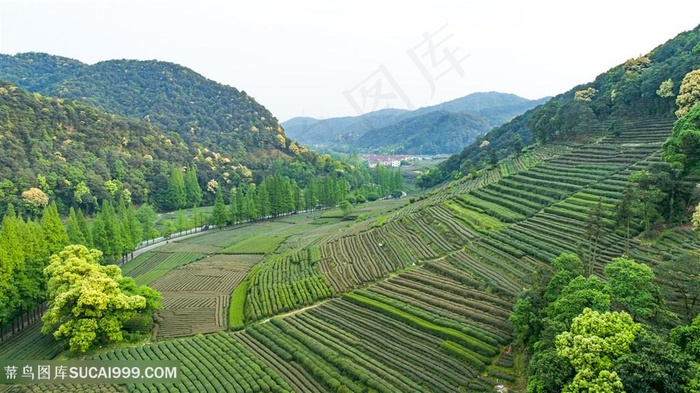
196	296
413	297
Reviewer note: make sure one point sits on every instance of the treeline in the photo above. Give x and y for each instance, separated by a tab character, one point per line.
26	245
279	195
25	248
582	331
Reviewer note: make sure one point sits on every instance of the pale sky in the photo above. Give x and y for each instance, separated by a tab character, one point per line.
321	58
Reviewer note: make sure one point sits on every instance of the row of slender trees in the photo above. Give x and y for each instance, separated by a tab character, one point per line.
25	247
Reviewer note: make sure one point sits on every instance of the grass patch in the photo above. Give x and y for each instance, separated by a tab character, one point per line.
136	262
236	310
172	262
337	213
255	245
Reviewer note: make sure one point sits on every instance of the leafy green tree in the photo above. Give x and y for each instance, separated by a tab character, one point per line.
84	227
654	365
688	338
696	218
593	343
11	264
218	215
181	221
132	226
665	89
580	293
549	372
689	93
647	196
53	230
107	233
234	214
633	288
35	261
169	228
262	200
86	304
345	207
566	268
682	148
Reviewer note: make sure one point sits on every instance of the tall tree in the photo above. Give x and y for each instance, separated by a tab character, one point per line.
146	215
133	227
566	267
689	93
594	229
53	230
682	276
75	234
84	227
192	188
176	195
633	288
647	196
625	213
218	215
234	215
12	263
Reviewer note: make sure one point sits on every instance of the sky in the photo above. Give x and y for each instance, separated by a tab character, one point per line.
329	58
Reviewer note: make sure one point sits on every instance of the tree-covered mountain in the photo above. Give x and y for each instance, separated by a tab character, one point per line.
465	117
76	153
645	86
204	113
432	133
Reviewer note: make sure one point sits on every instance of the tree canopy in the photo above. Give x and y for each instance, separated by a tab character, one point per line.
89	303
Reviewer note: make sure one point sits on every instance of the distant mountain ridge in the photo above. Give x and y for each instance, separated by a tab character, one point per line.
415	132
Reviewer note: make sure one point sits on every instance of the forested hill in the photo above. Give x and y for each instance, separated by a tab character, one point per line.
220	118
646	86
442	128
74	152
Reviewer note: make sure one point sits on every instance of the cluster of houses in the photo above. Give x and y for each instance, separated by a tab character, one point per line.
393	161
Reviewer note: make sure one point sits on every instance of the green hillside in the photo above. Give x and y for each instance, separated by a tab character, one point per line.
57	145
206	114
624	93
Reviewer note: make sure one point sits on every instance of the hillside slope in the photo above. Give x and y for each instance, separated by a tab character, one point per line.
622	94
57	144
